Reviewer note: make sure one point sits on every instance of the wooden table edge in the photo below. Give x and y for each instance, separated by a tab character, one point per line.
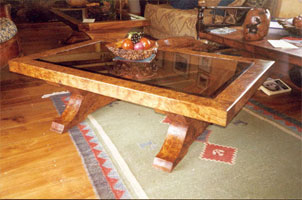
247	46
100	81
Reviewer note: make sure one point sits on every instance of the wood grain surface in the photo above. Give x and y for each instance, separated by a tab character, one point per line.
182	132
36	163
11	48
186	109
262	47
8	50
219	110
80	105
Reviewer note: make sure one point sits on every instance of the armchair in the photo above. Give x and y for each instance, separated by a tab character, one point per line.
167	21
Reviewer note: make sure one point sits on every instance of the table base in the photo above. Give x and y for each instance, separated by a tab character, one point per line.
182	131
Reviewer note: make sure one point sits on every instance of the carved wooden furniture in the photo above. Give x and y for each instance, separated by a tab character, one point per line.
193	88
256	24
10	48
167	21
111	28
262	48
230	16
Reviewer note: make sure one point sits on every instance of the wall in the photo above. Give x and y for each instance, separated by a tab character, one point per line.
289	8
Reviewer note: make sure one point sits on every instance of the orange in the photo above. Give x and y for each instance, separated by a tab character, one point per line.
146	43
127	44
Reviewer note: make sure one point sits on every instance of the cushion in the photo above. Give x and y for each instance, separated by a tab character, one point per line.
8	29
166	21
184	4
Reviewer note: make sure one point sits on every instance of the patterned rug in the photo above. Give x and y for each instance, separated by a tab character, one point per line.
101	171
257	156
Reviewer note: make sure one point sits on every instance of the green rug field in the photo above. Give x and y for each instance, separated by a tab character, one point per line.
267	161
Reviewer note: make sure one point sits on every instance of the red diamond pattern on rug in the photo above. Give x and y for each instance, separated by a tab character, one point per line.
219	153
112	181
112	177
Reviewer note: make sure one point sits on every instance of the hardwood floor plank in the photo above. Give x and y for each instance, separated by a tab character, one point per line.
43	159
12	117
36	163
29	90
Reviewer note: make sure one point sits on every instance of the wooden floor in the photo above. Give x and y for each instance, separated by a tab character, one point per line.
37	163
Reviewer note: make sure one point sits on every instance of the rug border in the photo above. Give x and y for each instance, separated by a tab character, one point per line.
96	175
138	190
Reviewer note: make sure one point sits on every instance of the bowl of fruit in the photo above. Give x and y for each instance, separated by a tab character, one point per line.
134	47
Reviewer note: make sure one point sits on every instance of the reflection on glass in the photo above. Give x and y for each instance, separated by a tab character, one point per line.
194	74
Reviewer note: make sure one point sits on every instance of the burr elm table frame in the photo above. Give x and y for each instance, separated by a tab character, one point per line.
223	86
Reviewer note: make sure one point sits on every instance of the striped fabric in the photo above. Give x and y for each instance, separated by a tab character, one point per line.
167	21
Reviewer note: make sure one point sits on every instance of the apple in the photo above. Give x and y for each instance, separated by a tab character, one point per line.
139	46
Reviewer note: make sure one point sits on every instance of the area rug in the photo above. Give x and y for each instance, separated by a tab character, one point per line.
257	156
104	178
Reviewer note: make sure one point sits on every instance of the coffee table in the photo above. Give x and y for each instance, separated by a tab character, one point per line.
101	28
261	48
194	89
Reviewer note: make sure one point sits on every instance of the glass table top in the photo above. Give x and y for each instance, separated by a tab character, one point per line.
196	74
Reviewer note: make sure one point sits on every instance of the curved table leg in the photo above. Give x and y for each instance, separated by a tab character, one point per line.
182	132
80	105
